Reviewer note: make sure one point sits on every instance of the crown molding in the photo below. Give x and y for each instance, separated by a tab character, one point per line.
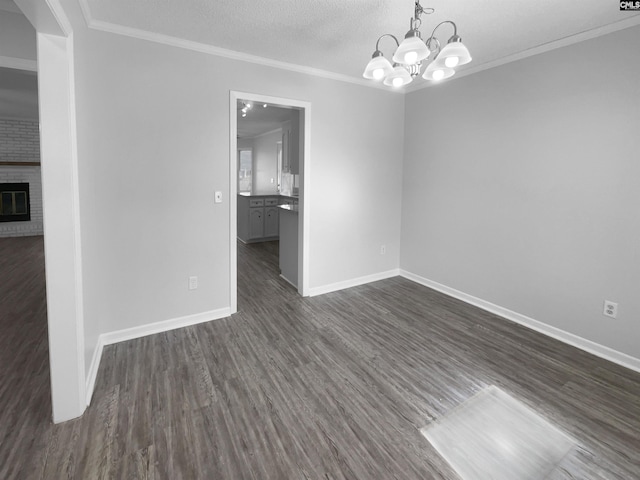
545	47
217	51
245	57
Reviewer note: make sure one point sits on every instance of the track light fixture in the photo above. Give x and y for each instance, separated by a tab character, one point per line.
246	106
409	55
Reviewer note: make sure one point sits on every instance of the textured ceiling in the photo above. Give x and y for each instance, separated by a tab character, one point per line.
339	36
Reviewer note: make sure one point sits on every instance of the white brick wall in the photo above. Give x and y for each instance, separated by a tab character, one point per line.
20	142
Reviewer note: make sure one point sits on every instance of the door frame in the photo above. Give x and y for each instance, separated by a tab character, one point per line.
304	203
70	387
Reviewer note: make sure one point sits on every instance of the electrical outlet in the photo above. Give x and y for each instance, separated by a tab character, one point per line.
383	249
193	283
610	309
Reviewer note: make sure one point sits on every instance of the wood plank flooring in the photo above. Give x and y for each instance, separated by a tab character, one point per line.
330	387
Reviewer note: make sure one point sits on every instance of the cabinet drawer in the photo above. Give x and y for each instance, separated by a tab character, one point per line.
269	202
256	202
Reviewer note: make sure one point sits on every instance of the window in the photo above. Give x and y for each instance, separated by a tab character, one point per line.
245	168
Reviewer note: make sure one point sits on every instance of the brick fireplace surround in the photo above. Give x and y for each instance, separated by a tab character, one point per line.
20	144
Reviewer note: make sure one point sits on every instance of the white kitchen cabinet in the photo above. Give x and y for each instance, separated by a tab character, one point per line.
257	221
271	223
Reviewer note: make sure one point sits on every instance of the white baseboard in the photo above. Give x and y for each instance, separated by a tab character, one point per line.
582	343
163	326
354	282
142	331
93	370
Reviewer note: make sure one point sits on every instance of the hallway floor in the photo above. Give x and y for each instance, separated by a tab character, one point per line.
331	387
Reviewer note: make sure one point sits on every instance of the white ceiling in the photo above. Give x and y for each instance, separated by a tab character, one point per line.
261	120
339	36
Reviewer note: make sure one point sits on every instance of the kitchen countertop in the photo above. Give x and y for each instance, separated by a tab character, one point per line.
266	194
289	208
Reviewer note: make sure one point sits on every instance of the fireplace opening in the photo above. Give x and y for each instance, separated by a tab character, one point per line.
14	202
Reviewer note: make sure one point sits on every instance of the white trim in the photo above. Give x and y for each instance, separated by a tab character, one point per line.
61	18
304	215
78	283
582	343
142	331
304	208
162	326
233	202
222	52
19	63
92	374
86	12
546	47
354	282
217	51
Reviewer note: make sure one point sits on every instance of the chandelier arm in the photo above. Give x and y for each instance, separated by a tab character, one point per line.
437	42
455	29
386	35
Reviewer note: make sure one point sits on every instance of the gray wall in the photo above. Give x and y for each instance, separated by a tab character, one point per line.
153	147
521	187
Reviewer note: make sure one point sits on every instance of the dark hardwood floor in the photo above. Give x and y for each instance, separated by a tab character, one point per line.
330	387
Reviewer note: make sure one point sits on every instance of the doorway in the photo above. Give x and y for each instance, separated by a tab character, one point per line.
60	199
24	344
262	184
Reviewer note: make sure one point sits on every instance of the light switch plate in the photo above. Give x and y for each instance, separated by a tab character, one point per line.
218	197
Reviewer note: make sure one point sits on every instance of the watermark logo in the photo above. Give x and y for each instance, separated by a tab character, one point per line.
626	5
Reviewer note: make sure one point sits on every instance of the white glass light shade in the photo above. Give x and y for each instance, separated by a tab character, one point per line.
377	68
412	50
453	54
437	72
398	77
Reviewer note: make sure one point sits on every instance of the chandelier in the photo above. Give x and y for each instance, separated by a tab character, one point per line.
410	54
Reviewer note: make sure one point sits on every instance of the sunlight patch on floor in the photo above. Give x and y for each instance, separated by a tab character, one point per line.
494	436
